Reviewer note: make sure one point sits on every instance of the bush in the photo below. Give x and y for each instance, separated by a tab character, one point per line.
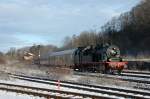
2	60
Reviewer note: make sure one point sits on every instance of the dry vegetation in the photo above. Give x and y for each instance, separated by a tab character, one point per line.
2	60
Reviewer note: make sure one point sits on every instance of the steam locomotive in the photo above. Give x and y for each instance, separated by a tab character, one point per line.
103	58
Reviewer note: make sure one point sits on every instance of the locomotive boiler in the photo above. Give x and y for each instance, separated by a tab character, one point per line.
100	58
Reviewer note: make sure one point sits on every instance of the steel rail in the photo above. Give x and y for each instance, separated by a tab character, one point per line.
123	77
136	72
102	89
8	88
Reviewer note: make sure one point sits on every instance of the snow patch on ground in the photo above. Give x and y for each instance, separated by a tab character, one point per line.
12	95
47	72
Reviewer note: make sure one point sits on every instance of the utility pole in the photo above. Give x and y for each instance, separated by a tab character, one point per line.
39	53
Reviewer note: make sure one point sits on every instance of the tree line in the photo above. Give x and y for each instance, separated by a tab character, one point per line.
130	31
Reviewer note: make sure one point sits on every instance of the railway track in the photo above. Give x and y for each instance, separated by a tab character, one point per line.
136	72
136	75
110	91
47	93
33	91
139	78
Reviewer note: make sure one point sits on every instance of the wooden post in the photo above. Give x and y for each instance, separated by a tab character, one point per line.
58	84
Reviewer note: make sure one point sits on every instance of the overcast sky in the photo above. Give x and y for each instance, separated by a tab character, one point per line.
28	22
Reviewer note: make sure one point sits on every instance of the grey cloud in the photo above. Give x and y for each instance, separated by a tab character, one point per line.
49	19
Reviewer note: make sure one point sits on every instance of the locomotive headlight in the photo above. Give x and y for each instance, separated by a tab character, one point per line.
110	60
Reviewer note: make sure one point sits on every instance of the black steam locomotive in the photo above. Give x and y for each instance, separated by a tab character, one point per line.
101	58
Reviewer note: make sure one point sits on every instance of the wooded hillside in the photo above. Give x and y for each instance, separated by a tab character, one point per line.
130	31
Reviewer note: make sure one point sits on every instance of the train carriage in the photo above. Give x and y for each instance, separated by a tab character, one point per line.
62	58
